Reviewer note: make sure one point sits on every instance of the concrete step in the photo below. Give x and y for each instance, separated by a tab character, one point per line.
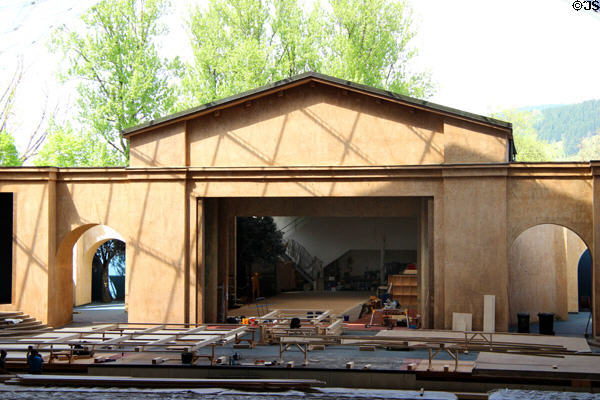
23	319
32	330
10	314
26	323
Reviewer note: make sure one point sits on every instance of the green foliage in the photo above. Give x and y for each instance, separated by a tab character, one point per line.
65	148
530	147
589	149
258	240
242	44
370	44
9	156
122	80
569	123
111	250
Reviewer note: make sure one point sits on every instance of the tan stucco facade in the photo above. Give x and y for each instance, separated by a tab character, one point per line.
311	147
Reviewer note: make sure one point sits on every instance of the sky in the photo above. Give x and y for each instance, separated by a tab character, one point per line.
483	55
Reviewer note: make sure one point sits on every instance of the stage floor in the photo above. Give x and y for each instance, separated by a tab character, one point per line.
340	303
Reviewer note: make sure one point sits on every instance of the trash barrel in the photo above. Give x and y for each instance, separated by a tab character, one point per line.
546	323
523	322
187	357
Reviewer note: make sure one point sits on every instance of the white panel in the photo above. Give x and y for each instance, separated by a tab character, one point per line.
489	313
462	321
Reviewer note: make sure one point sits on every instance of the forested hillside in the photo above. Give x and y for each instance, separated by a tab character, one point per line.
569	123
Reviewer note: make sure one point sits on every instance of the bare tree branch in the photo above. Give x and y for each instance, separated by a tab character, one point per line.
8	96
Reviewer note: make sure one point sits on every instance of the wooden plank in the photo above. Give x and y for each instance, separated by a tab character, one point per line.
270	315
222	337
231	335
338	322
570	343
80	335
321	317
130	336
128	381
172	337
533	365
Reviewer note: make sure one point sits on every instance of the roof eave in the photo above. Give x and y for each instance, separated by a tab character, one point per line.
324	79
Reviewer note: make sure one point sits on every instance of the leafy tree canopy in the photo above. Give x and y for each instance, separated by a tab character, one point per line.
241	44
258	240
122	79
530	147
111	250
9	156
65	148
589	149
570	124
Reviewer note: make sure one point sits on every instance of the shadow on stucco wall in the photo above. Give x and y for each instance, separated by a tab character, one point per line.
543	266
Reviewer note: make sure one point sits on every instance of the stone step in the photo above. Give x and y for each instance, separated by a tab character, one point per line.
23	319
18	332
26	323
10	314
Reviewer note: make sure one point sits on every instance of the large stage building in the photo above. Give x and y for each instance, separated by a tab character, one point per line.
310	146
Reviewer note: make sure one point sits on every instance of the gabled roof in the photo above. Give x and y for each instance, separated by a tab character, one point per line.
324	79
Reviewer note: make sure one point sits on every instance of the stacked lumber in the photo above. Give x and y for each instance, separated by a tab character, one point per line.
17	322
128	381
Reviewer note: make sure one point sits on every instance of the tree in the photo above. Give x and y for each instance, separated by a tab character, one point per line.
122	80
258	241
9	156
241	44
370	44
8	95
589	149
570	123
527	142
65	148
112	250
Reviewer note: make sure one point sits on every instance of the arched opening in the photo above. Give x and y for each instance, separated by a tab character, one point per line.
108	272
584	281
545	276
82	249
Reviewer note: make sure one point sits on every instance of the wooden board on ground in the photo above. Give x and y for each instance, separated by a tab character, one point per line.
502	364
570	343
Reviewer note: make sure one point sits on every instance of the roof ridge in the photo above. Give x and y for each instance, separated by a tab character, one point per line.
326	79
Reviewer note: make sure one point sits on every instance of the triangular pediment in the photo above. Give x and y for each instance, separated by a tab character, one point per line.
315	120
